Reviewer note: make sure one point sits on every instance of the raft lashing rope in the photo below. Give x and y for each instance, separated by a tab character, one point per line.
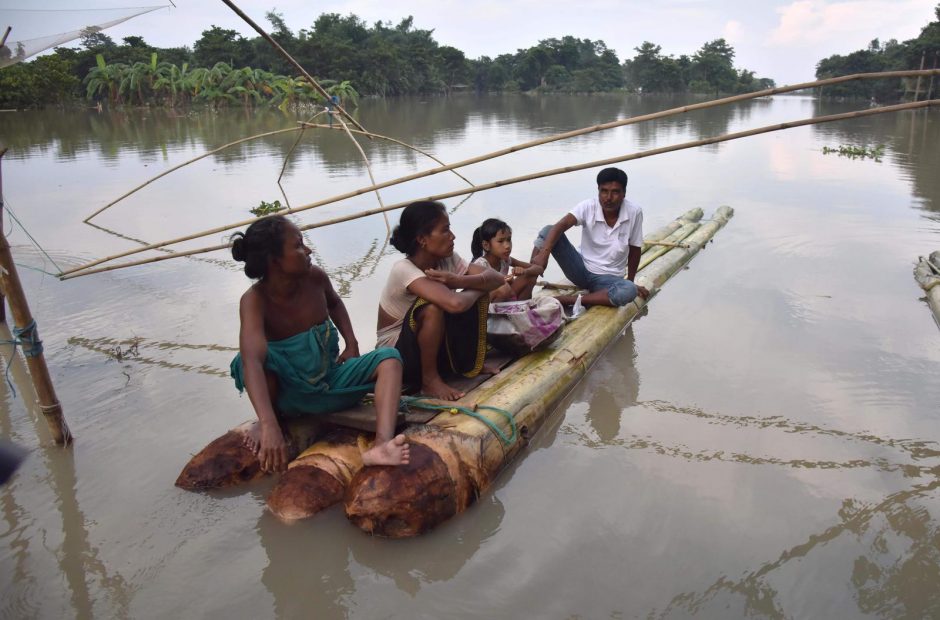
424	403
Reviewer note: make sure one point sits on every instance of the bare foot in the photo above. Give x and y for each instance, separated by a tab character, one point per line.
392	452
489	369
436	388
253	438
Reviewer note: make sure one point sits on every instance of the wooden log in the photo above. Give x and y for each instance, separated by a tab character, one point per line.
927	274
318	478
455	458
227	462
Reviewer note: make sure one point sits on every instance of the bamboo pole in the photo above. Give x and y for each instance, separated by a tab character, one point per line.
3	151
291	60
186	163
88	270
28	336
381	137
667	244
365	158
514	149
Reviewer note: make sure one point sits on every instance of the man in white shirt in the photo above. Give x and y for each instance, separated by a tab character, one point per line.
611	244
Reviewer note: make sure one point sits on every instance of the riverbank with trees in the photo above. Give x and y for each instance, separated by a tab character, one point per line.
920	52
352	58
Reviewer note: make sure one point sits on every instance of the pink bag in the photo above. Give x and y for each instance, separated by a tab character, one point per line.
520	327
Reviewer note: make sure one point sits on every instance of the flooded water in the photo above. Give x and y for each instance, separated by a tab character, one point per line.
763	443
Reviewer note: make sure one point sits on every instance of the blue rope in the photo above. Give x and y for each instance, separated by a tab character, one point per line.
422	403
35	344
31	345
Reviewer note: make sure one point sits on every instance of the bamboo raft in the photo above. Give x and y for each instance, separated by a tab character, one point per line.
927	274
454	458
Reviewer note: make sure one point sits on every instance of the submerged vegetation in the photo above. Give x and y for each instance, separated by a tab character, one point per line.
857	152
351	58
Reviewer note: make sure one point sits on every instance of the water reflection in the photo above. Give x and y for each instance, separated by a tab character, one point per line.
911	138
613	389
883	585
77	558
310	557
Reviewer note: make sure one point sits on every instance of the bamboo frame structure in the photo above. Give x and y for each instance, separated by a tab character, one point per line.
533	143
87	220
365	158
287	157
88	269
398	142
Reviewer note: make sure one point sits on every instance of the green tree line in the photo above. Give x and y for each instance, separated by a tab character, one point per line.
351	57
888	56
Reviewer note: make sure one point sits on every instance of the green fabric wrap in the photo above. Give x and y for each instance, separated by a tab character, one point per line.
308	378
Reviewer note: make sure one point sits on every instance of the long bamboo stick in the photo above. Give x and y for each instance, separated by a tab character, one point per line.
516	148
398	142
290	59
86	270
186	163
3	151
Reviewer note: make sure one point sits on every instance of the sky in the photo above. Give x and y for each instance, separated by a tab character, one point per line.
779	40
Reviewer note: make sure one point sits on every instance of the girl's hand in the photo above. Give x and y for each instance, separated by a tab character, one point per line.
351	351
509	277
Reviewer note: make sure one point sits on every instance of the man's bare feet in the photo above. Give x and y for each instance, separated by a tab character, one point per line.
392	452
436	388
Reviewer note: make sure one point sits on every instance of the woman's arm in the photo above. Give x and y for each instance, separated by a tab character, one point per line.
340	317
253	345
444	297
477	278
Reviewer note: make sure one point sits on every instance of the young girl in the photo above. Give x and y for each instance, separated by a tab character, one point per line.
491	247
289	358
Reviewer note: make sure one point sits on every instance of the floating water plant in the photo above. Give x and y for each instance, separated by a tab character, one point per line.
267	208
857	152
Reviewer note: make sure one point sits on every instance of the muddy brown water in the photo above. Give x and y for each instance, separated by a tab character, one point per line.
763	443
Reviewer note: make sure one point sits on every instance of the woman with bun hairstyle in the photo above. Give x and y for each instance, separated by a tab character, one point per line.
433	308
289	357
